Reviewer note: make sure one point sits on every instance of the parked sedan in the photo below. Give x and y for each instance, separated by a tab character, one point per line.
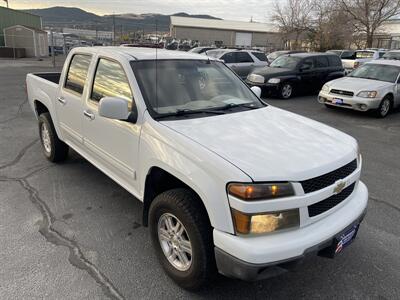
392	54
373	86
299	72
201	50
240	61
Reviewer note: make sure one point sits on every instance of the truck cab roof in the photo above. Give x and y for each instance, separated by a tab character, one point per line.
141	53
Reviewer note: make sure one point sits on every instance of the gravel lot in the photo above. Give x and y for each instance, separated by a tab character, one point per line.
69	232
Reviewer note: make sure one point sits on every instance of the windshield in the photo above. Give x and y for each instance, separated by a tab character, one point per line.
392	55
191	85
286	61
377	72
275	55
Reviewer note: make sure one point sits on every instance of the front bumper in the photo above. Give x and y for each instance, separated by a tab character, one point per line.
269	88
259	257
356	103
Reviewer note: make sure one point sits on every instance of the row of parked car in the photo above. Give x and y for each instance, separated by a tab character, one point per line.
370	84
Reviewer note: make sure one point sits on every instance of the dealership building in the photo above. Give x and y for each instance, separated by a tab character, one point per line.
209	32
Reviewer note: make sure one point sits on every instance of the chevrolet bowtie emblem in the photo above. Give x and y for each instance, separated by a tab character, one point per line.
339	187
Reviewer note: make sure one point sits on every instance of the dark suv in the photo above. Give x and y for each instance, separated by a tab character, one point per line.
300	72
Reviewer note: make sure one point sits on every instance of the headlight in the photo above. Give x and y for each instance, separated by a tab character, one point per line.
264	223
368	94
325	88
274	80
262	191
256	78
358	156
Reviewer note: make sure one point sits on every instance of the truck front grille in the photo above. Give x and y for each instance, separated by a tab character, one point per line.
323	181
329	203
341	92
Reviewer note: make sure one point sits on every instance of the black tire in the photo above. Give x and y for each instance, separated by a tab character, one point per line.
286	90
185	206
54	149
384	108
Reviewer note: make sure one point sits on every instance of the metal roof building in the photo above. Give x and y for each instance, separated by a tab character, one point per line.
225	33
10	17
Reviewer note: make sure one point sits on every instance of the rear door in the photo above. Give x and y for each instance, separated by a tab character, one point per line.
242	63
307	74
69	102
321	70
113	143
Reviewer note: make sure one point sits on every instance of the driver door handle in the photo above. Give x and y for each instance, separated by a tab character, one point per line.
62	100
88	115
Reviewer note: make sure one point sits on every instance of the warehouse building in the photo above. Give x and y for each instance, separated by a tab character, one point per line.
226	33
10	17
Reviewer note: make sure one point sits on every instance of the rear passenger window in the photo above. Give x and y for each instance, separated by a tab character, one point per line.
321	62
229	58
243	57
260	56
77	73
335	61
110	81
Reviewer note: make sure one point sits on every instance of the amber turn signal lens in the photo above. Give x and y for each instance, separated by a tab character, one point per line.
260	191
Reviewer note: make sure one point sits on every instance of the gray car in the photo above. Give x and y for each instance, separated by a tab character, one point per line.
243	62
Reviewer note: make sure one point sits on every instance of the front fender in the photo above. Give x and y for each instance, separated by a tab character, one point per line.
200	169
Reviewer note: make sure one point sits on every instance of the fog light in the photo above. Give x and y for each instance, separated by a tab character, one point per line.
264	223
363	107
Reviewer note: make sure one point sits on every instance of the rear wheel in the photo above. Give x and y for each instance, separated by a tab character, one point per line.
286	90
182	238
54	149
384	107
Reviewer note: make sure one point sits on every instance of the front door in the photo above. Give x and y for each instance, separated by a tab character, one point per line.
113	143
69	102
307	75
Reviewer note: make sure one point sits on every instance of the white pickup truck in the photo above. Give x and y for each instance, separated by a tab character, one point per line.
228	182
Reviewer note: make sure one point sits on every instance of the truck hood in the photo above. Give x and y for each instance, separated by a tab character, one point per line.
358	84
270	144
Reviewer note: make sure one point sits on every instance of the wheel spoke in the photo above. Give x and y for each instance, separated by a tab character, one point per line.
182	257
186	246
164	234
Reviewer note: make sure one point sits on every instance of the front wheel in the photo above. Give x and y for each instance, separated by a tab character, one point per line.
286	90
54	149
384	107
182	237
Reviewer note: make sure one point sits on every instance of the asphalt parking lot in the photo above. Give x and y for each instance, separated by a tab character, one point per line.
69	232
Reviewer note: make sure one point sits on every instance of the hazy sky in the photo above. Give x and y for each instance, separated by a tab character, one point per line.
226	9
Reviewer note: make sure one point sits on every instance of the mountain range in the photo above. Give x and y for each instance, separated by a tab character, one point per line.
58	17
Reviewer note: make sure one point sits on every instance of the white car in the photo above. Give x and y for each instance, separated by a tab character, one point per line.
227	182
374	86
243	62
361	57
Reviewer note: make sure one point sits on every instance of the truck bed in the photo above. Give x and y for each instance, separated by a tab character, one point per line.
53	77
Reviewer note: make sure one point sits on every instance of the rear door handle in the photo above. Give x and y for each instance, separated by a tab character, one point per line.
88	115
62	100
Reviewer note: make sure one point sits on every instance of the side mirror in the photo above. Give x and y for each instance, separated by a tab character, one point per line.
256	90
114	108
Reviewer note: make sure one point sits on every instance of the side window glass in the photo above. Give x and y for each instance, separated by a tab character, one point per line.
77	73
229	58
243	57
110	81
307	64
321	62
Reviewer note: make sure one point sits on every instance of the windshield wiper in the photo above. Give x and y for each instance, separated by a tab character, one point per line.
184	112
234	105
